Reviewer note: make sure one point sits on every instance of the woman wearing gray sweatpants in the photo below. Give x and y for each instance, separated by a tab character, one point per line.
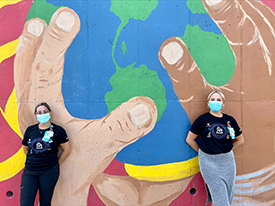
219	133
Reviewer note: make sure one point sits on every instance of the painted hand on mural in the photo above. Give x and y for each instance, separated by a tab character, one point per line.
38	70
249	29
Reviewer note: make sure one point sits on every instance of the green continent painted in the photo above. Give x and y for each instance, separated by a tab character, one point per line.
124	47
196	7
130	82
41	9
211	53
136	9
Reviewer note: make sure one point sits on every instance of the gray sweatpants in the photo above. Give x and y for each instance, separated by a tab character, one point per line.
218	172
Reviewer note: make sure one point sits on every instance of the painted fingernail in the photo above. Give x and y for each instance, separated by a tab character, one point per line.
65	21
36	27
172	53
139	115
211	3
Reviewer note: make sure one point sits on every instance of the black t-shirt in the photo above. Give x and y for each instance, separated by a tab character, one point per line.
214	134
42	154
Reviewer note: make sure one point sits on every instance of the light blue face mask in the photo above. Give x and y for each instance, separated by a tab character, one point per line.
44	118
215	106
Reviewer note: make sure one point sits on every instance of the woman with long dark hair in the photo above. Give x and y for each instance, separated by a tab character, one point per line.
40	144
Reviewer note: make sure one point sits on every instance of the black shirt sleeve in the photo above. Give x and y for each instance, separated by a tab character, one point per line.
25	138
235	126
196	127
62	136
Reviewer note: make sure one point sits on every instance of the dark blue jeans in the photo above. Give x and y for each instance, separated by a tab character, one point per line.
42	181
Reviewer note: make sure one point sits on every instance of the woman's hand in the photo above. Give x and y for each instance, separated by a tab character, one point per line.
26	149
190	139
66	147
238	141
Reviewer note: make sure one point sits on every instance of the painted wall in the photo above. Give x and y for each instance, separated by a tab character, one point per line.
126	79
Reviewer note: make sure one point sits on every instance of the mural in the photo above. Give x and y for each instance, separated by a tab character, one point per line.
126	79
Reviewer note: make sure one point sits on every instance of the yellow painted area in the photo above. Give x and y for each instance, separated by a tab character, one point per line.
165	172
10	114
9	49
8	2
14	164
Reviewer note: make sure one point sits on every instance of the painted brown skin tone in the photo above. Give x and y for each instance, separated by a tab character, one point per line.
31	72
250	88
250	92
38	70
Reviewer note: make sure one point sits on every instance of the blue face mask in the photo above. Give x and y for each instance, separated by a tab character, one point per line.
215	106
44	118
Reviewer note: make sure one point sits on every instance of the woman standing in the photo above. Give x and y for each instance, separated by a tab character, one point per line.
219	133
40	144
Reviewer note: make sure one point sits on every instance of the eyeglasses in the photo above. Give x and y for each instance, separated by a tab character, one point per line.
42	112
